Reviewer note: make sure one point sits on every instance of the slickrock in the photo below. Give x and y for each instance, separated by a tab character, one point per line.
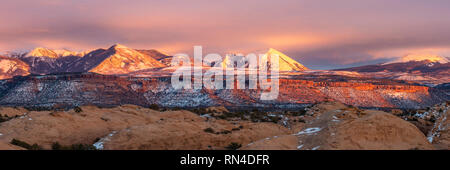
133	127
334	126
330	126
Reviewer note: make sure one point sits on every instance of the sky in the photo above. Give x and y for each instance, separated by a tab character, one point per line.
321	34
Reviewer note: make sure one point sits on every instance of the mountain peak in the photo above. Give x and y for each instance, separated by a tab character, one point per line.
286	63
119	59
43	52
420	57
119	46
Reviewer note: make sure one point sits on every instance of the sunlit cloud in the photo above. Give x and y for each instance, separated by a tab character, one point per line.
320	34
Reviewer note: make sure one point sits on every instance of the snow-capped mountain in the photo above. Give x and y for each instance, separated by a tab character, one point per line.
161	57
59	53
42	52
285	62
10	67
118	59
426	69
44	61
410	64
417	57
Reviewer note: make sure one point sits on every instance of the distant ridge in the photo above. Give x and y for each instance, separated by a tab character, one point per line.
418	57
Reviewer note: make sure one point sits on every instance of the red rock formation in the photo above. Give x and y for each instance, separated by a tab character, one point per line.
90	88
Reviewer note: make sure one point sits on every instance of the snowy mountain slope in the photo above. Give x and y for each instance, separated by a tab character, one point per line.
118	59
10	67
285	62
417	57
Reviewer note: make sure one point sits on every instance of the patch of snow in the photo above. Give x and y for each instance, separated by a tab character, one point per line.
99	145
206	115
299	147
430	139
438	130
309	131
315	148
335	119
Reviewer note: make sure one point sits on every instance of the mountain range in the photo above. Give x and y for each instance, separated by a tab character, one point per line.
120	75
428	69
117	59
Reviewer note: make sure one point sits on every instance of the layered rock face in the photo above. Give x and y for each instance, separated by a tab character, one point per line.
67	90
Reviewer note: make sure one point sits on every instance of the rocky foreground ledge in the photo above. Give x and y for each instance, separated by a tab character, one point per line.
325	126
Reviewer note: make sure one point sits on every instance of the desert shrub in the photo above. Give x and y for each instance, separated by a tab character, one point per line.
222	116
57	146
82	147
25	145
35	147
39	108
233	146
235	129
225	132
200	111
4	118
298	113
78	109
154	107
274	119
209	130
257	116
175	108
301	121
